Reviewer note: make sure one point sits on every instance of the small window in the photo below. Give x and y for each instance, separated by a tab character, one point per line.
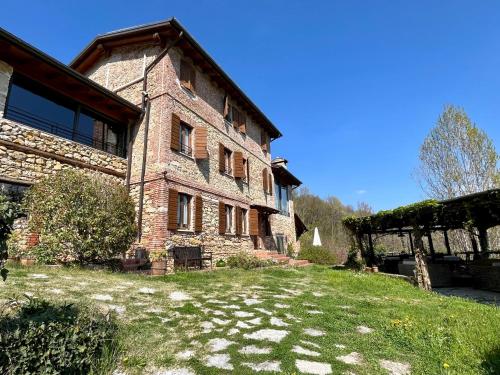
13	192
244	225
185	139
183	211
229	219
187	76
245	169
227	161
281	199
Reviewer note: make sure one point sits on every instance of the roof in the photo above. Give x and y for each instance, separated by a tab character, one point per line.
481	210
300	227
285	176
37	65
159	32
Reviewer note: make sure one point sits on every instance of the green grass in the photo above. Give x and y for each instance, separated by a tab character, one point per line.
423	329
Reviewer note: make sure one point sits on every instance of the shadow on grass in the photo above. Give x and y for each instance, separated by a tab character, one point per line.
491	362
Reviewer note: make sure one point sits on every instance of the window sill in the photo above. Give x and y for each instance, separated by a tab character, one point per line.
228	175
185	155
185	231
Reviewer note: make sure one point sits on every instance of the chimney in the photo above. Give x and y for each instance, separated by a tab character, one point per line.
280	162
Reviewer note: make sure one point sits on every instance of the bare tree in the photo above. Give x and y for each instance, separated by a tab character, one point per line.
457	157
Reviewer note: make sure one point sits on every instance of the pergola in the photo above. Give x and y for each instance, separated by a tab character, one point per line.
480	211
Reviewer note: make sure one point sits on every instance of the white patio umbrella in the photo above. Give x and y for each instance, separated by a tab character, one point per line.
316	239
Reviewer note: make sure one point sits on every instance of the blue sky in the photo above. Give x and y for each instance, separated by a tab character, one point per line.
353	85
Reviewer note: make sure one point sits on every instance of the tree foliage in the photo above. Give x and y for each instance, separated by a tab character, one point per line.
457	157
80	217
326	214
9	211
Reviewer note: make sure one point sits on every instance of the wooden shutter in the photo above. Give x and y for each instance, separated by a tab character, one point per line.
263	140
198	213
264	179
175	132
243	124
200	143
222	218
239	172
239	228
172	209
253	218
270	182
222	164
248	170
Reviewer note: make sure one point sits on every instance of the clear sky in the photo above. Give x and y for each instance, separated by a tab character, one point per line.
353	85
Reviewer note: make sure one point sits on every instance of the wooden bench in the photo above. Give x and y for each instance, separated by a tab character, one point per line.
190	256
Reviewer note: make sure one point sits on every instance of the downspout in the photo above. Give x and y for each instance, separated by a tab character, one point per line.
146	107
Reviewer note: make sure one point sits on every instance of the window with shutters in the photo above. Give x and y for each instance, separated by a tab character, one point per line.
187	76
228	169
229	219
183	211
185	146
244	221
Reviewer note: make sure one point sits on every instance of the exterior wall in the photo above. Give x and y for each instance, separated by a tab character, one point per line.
5	75
166	168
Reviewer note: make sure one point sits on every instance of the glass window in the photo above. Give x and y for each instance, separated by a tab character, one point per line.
244	226
38	107
31	105
227	161
185	139
14	192
183	211
281	199
229	219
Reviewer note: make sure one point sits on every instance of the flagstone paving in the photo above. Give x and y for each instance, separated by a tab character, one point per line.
231	328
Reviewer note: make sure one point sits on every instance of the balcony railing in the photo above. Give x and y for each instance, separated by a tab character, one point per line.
185	149
40	123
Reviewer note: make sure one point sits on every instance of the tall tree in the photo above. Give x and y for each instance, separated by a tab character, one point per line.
457	157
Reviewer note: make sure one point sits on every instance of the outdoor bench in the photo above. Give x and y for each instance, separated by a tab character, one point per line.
190	256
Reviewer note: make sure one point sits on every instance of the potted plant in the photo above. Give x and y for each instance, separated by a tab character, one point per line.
158	262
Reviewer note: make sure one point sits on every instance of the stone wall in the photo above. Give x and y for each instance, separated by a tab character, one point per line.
28	154
167	168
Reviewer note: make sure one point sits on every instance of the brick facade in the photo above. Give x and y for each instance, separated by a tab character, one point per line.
167	168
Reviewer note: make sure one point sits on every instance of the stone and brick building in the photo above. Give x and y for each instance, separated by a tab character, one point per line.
150	107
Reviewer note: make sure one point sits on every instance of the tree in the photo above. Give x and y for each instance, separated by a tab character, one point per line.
457	157
80	217
9	211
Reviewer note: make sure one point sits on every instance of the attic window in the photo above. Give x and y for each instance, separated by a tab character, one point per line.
188	76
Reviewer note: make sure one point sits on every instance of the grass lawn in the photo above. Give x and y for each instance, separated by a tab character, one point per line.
234	321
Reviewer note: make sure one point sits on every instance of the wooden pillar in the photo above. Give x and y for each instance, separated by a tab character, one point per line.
411	243
447	242
431	244
371	251
421	268
483	239
475	248
360	254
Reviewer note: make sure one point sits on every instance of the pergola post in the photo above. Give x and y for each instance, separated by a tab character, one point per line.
371	252
475	248
411	243
483	240
431	244
421	268
360	254
447	242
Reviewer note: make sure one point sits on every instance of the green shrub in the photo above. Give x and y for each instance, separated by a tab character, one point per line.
353	261
9	211
318	255
80	217
220	263
42	338
246	261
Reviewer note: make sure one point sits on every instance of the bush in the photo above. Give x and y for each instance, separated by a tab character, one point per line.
41	338
220	263
246	261
9	211
353	262
80	217
318	255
